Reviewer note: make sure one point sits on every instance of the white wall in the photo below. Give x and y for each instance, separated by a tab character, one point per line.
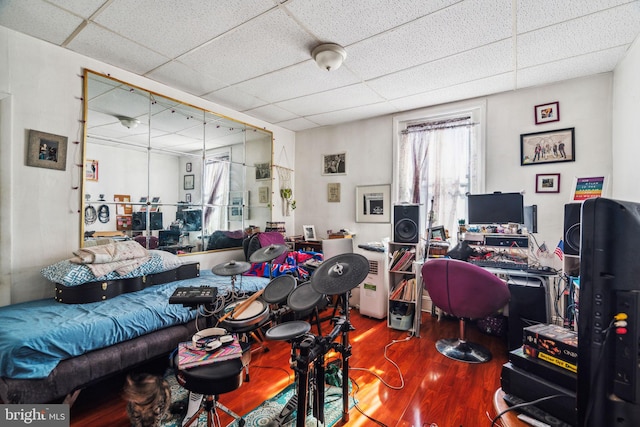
584	104
626	132
42	90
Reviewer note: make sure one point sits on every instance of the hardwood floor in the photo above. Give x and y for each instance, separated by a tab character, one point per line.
429	389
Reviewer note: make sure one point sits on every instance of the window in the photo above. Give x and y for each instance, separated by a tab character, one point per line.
438	161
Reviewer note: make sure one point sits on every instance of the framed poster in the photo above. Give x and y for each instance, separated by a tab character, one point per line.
333	192
552	146
91	170
189	182
373	203
334	164
588	187
548	183
46	150
546	113
263	195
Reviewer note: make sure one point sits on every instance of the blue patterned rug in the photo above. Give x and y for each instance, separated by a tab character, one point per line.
268	410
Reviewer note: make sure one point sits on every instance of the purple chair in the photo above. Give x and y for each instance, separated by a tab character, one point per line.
465	291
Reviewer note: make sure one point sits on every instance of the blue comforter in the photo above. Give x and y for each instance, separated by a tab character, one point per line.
36	335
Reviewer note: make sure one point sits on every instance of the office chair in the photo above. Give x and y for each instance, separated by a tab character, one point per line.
465	291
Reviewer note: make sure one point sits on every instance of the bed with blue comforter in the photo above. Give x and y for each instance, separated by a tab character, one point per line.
49	350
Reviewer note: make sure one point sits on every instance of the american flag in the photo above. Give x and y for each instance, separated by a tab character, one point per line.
541	249
559	250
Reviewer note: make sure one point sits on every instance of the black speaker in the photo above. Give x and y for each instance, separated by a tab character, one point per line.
572	228
139	221
527	306
406	224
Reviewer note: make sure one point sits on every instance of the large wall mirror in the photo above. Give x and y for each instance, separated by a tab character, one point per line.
170	175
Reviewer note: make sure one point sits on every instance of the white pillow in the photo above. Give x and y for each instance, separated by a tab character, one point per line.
169	260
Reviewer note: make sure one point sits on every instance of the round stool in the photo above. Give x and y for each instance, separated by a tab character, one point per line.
211	381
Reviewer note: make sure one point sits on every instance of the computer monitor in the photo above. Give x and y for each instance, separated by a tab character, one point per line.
495	208
608	314
333	247
168	237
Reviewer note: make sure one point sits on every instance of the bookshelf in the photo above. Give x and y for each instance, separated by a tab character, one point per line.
405	288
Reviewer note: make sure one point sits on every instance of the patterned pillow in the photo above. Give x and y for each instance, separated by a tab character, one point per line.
70	274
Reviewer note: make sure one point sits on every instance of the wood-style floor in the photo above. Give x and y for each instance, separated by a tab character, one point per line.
429	389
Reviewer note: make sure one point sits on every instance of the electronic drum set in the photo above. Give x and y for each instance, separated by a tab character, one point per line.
336	276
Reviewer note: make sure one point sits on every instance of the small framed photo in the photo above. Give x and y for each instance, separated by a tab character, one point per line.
91	170
189	182
373	203
309	232
46	150
548	183
187	197
263	171
263	195
552	146
334	164
189	167
333	192
546	113
438	233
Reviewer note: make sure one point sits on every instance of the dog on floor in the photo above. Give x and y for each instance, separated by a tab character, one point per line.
149	399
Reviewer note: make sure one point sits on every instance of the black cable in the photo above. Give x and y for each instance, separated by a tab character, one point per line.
522	405
360	409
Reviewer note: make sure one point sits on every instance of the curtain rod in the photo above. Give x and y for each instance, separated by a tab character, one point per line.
426	127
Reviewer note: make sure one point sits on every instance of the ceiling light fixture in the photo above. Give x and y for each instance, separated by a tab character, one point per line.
329	56
128	122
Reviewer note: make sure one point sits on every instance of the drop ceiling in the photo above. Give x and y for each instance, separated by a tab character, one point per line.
254	55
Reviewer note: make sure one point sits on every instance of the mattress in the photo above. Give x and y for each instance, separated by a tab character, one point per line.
36	335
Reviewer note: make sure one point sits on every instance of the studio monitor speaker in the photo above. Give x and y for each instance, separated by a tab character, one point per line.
572	228
406	224
139	221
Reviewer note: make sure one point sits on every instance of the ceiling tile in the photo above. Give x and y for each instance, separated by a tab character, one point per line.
578	66
298	80
487	60
542	13
352	114
333	20
38	19
98	43
578	37
267	43
180	76
298	124
482	87
336	99
172	28
84	8
235	98
271	113
461	27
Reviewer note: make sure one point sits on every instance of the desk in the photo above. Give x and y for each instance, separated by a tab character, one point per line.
305	245
510	419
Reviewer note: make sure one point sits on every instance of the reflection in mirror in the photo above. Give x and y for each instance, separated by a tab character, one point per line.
170	175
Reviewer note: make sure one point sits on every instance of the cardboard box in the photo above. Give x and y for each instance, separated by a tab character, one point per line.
553	340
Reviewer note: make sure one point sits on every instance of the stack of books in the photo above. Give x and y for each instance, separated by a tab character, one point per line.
189	357
402	259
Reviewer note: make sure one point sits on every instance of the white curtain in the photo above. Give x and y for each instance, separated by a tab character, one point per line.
216	188
435	169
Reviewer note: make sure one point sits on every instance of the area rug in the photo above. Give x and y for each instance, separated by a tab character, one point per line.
269	410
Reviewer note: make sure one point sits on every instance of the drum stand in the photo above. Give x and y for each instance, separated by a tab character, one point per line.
312	350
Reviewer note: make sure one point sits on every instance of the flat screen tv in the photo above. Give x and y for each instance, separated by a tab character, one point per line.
609	314
495	208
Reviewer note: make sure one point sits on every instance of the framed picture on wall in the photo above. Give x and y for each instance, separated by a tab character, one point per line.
333	192
548	183
46	150
546	113
552	146
91	170
263	195
334	164
373	203
263	171
189	182
188	167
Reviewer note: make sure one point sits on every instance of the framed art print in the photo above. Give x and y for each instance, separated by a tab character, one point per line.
548	183
46	150
373	203
546	113
189	182
552	146
334	164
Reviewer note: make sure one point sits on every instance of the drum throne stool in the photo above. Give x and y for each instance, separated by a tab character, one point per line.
211	381
465	291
